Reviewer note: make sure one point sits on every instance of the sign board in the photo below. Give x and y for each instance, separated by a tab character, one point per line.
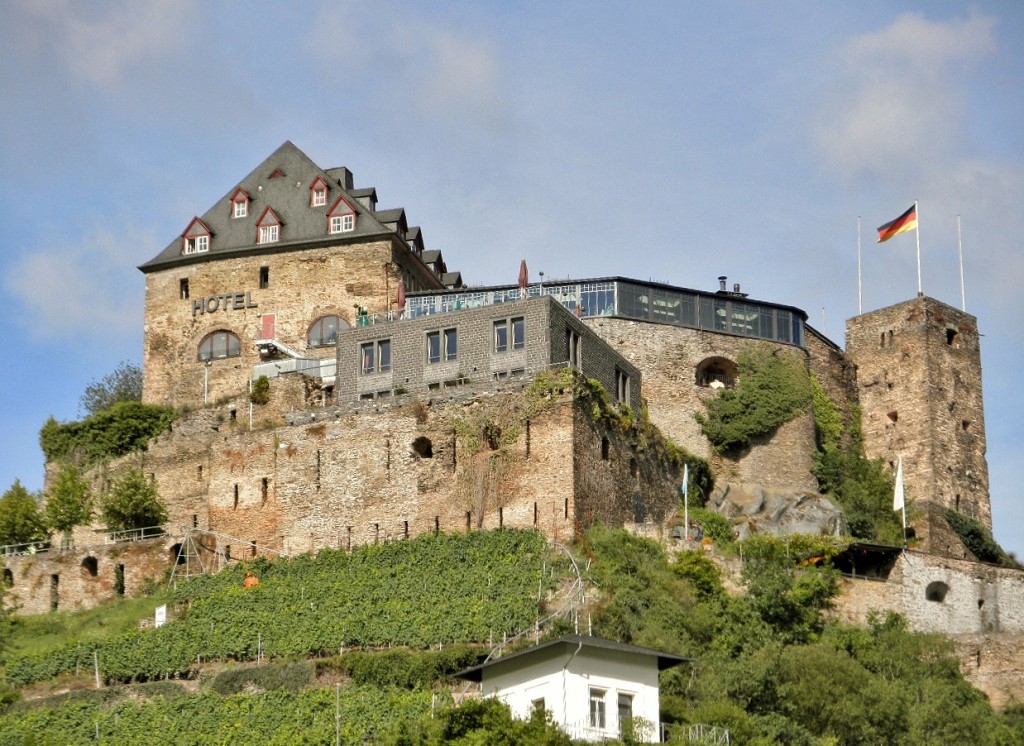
161	616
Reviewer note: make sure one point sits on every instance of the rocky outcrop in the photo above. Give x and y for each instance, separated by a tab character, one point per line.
754	508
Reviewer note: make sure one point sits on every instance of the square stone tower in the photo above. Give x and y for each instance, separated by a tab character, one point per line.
919	385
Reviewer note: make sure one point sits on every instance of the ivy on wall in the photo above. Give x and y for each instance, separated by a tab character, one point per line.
772	389
120	429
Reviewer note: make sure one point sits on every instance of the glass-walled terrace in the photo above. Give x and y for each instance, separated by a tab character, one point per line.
724	313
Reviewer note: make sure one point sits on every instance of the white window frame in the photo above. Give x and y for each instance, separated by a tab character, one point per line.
319	197
241	208
597	710
269	233
196	244
342	223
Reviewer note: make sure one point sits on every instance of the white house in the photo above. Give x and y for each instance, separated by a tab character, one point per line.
592	687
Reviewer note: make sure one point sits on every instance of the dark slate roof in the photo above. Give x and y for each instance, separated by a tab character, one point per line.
288	195
567	644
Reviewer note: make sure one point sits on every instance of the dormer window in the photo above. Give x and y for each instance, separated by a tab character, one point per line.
196	238
240	204
341	218
318	193
268	227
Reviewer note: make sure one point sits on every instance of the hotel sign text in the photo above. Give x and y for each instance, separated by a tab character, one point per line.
223	302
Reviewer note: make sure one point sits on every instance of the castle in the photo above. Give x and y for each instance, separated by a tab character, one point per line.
400	400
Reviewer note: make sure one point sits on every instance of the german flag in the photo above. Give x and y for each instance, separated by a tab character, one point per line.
905	222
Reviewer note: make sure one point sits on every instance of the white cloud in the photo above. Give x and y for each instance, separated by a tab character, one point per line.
79	288
102	42
903	97
432	68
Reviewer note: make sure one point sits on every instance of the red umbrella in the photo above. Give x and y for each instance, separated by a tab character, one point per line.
524	276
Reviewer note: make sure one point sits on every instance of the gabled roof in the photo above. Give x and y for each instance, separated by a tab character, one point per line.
568	644
288	195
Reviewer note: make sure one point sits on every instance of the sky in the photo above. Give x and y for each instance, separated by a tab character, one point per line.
673	141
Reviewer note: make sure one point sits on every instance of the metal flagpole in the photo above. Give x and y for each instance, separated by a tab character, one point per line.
917	213
860	292
960	248
686	501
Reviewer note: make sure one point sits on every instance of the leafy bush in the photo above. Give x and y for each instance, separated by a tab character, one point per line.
132	503
405	669
123	384
978	539
120	429
69	503
260	393
290	676
21	521
715	526
773	388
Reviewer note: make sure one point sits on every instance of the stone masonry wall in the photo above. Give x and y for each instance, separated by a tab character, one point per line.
919	379
302	287
667	357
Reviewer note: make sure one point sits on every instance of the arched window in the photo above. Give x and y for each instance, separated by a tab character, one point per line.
220	344
716	372
324	331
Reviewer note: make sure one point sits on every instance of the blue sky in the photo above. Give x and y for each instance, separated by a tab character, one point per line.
675	141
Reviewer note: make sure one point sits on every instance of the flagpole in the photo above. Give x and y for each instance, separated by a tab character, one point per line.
917	212
686	501
960	247
860	291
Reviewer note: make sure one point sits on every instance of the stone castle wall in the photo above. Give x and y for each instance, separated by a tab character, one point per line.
301	287
668	357
919	377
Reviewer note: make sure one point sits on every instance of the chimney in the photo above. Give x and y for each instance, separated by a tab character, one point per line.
721	284
736	288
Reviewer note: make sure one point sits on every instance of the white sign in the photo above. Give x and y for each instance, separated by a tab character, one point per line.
161	616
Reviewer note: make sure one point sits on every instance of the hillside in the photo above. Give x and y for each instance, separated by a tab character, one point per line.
768	665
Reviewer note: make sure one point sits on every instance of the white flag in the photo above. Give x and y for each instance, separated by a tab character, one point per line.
686	480
897	499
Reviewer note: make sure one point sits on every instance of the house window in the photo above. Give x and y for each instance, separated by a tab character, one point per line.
442	345
264	278
597	708
241	209
572	348
342	223
537	705
319	197
375	357
183	288
625	711
196	244
219	344
324	331
621	387
269	233
506	328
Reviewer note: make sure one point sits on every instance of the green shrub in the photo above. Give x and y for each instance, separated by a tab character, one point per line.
120	429
978	539
715	526
290	676
260	393
773	388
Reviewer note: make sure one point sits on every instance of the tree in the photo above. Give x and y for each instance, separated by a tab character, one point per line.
20	519
132	503
124	384
69	503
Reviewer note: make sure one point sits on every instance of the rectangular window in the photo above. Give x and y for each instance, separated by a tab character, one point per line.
336	224
500	336
197	244
625	711
268	233
621	387
375	357
518	333
319	197
597	708
183	287
348	222
442	345
264	278
241	208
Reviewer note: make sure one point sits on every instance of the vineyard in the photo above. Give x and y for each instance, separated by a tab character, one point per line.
312	716
426	592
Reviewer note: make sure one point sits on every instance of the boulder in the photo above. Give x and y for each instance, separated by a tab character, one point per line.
754	508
